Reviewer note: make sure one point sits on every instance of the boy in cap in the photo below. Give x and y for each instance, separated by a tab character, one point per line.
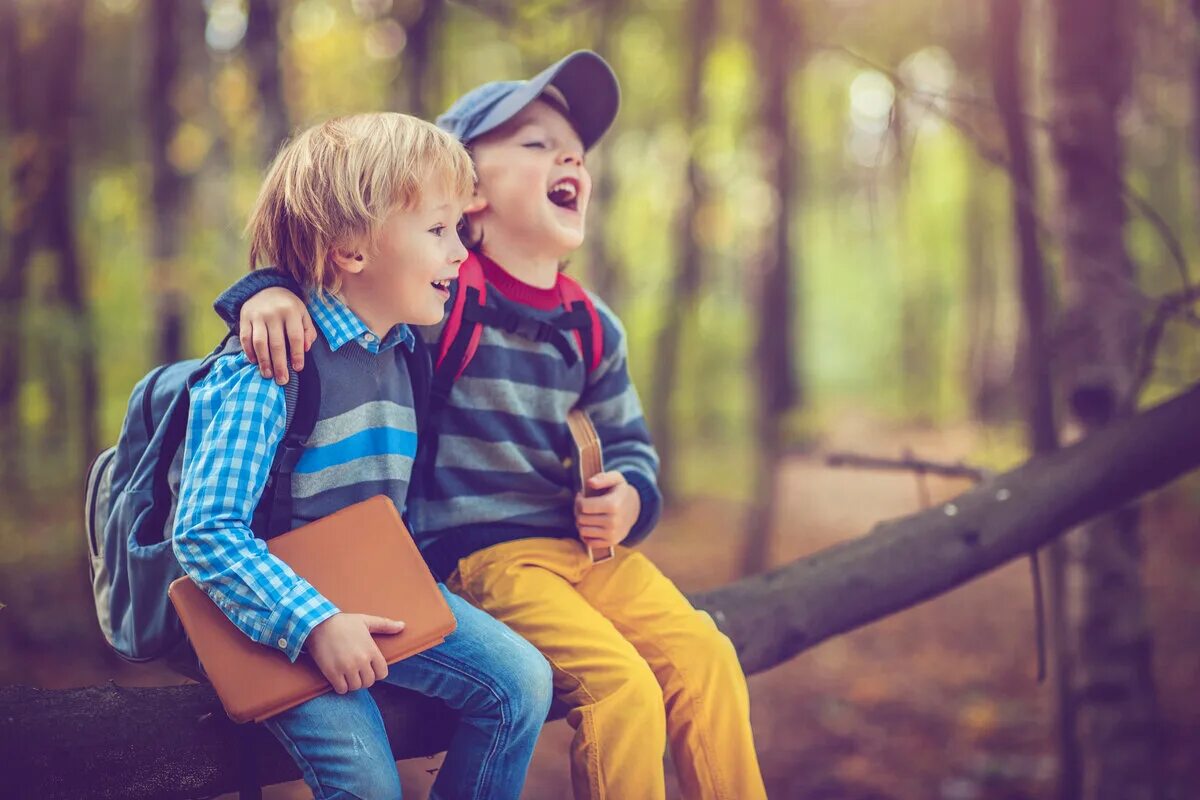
495	511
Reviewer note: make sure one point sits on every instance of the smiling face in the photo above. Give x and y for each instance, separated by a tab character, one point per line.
533	188
405	277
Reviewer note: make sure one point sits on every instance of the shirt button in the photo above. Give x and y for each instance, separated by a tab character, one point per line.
283	644
370	337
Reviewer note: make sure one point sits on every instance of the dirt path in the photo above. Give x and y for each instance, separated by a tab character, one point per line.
940	701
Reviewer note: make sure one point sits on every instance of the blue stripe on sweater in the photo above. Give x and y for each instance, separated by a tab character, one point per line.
369	442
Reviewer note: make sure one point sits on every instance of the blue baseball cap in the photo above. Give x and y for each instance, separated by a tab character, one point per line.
583	80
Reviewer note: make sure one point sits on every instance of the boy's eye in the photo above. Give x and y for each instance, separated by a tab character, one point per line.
535	145
438	230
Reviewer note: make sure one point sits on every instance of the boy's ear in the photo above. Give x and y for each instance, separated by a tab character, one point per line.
347	260
476	204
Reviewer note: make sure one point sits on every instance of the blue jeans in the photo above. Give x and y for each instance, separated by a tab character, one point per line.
499	684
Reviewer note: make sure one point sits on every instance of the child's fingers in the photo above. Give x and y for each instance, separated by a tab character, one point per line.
382	624
278	343
245	336
310	331
594	527
379	665
594	519
337	681
605	480
604	504
296	335
596	540
258	343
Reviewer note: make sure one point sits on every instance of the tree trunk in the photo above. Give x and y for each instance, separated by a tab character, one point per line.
27	177
176	742
168	194
988	368
1117	722
1195	131
684	293
915	338
778	38
414	87
263	51
1035	343
40	108
63	74
1035	357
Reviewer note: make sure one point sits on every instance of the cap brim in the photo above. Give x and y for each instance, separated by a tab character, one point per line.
586	82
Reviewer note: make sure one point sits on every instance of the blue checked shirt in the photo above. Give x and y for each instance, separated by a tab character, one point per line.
236	423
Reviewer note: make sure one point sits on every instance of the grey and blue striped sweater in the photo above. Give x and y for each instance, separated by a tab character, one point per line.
502	435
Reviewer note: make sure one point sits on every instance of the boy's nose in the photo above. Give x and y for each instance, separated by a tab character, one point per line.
570	157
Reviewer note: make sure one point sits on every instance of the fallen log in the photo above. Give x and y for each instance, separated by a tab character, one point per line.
175	742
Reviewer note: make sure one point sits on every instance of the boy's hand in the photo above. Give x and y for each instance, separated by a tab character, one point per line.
269	320
604	520
345	652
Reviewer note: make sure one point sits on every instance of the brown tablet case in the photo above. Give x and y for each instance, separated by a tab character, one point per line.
362	559
587	460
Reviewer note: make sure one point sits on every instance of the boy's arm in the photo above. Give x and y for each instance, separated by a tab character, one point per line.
613	405
236	422
229	304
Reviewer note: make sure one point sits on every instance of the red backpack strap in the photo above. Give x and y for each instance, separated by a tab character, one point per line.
460	338
456	346
591	338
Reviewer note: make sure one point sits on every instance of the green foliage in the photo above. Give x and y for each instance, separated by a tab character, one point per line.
888	233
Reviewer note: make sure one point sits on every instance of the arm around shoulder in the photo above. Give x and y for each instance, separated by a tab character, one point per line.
228	304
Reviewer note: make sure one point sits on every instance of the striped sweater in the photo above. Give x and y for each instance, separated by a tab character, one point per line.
502	436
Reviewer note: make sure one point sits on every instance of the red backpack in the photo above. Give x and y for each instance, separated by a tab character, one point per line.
470	313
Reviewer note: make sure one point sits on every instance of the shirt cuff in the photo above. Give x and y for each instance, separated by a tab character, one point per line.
296	614
229	304
651	506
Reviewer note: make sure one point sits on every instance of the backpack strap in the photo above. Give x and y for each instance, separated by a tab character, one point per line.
458	343
302	399
174	432
460	337
420	372
535	330
589	333
469	313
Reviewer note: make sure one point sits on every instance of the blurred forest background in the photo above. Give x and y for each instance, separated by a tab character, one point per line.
949	229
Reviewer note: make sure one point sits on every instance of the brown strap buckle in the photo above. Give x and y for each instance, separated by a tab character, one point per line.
601	554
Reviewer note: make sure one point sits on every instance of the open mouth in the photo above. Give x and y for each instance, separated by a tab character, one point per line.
442	285
565	194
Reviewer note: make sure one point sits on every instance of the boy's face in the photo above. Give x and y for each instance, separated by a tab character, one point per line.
417	253
533	188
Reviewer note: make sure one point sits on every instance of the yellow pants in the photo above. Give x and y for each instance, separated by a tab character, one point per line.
637	664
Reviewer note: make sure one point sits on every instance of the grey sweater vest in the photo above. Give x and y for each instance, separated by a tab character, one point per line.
365	436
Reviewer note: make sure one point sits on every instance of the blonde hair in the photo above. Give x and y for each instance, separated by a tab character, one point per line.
334	183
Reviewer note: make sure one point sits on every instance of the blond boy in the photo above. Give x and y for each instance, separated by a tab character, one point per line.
360	211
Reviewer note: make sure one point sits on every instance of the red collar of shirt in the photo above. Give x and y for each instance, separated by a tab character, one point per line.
516	289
